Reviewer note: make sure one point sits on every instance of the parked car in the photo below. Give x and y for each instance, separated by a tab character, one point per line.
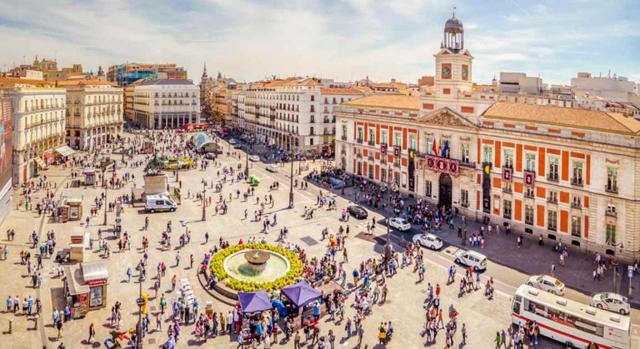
232	141
357	211
473	259
399	223
547	283
272	168
336	183
611	302
254	158
428	240
210	156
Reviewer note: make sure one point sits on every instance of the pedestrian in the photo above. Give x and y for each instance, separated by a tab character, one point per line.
498	340
92	333
296	340
464	334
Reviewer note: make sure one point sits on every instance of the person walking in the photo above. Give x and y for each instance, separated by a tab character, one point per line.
296	340
92	333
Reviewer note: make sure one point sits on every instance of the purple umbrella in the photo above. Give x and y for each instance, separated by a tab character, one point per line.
301	293
254	302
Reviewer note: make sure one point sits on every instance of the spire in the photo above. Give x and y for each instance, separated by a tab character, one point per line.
204	71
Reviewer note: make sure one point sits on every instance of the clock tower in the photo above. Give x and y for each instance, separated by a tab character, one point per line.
453	62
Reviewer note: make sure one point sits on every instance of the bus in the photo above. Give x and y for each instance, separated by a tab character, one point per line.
570	322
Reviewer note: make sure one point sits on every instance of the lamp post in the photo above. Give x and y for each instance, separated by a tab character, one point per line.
106	164
140	302
246	165
291	175
204	201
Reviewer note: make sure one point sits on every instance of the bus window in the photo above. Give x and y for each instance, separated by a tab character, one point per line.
516	304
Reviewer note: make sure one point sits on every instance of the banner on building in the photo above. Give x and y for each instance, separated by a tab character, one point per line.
443	165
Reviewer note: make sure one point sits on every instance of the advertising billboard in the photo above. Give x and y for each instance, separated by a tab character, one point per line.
6	150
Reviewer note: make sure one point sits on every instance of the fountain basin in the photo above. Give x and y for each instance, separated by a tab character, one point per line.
256	265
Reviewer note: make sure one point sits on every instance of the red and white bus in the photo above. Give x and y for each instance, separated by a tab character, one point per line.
195	127
568	321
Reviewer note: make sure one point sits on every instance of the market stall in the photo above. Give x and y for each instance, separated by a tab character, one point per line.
85	287
300	299
89	175
70	209
252	305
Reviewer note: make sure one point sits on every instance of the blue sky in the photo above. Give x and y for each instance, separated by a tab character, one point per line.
341	39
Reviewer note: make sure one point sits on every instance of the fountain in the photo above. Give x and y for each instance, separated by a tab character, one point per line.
257	260
256	265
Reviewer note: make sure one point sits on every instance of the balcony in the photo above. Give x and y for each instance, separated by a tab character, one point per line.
611	213
529	195
576	204
359	140
552	228
326	120
507	190
577	181
611	188
468	163
465	204
371	142
344	137
552	177
552	200
343	152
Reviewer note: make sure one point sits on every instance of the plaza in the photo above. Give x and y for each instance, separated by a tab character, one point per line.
403	306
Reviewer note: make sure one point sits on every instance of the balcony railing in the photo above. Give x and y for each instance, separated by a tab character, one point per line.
611	213
344	137
610	188
577	181
576	204
465	204
507	190
553	177
552	200
529	195
552	227
370	142
359	140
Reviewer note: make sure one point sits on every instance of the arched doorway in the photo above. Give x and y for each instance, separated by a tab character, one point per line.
444	194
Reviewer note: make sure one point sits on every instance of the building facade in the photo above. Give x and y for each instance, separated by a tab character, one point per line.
294	113
544	170
39	123
94	114
165	104
6	153
125	74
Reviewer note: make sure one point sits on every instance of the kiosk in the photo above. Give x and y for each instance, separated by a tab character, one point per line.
85	287
89	176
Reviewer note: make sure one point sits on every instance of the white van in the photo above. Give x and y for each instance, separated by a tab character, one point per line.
472	259
159	203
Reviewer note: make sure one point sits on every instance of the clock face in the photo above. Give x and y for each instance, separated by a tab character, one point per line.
446	71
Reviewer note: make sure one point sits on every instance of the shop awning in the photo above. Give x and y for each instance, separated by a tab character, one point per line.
65	150
94	271
74	282
40	163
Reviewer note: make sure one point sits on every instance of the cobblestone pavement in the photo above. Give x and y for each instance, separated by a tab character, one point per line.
403	308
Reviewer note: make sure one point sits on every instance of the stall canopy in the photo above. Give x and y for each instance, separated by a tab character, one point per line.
93	271
65	150
301	293
40	163
254	302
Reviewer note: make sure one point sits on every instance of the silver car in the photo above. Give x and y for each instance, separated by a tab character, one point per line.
428	240
611	302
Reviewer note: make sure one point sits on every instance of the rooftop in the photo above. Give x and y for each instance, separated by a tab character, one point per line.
389	101
566	117
340	91
166	82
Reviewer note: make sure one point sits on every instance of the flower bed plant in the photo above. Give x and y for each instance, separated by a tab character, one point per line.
217	268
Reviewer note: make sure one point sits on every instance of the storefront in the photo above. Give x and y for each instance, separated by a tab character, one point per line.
85	287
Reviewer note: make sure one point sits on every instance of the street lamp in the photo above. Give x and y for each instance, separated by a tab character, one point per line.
105	164
140	302
204	201
291	175
246	165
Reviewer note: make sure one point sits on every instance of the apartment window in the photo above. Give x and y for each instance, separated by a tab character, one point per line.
552	220
530	162
428	189
428	142
612	179
553	169
487	154
413	144
313	98
312	109
577	173
397	139
464	152
359	169
576	226
384	136
553	196
464	198
311	132
506	209
611	233
383	175
370	172
508	158
396	179
360	135
529	193
372	137
528	214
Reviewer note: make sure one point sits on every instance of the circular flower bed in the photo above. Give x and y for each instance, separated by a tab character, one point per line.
217	268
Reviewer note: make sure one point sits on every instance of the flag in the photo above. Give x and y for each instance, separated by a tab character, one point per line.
434	149
444	149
